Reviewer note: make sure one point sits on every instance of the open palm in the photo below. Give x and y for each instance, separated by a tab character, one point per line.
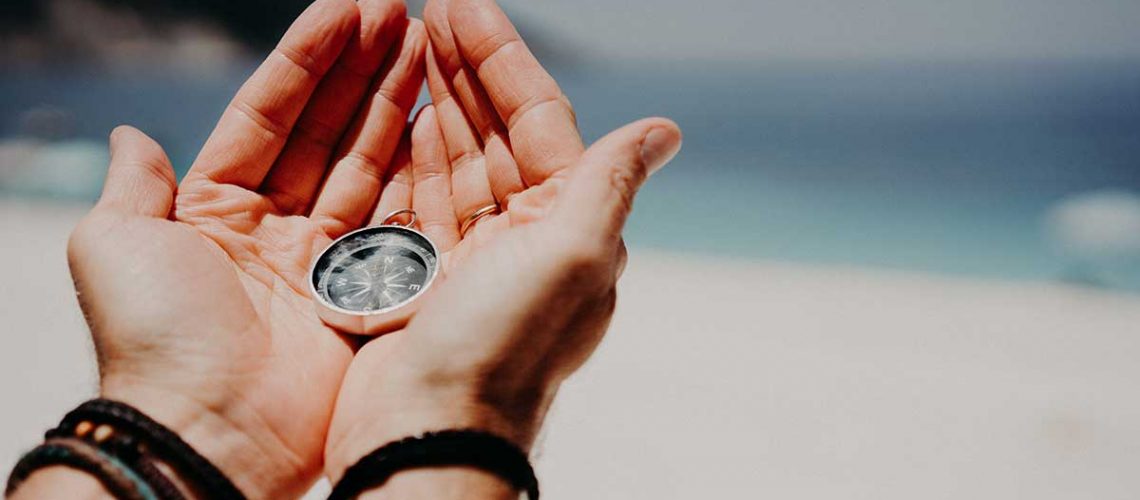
528	291
298	158
500	131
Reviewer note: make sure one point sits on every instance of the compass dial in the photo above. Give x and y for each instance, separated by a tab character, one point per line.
375	269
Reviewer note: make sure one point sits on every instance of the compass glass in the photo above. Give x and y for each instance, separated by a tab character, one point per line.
375	269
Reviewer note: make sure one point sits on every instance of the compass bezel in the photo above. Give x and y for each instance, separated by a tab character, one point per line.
379	321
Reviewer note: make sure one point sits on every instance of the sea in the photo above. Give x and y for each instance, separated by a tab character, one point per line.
944	166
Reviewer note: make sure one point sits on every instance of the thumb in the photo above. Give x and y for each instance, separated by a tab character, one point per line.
598	196
140	179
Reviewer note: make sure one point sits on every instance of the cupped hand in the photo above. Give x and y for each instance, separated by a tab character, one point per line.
529	292
196	293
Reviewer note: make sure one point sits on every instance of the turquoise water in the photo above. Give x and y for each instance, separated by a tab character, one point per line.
945	167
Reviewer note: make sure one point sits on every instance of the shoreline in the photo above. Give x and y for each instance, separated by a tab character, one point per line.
730	377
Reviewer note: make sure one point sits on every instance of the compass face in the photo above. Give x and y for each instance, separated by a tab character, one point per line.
375	269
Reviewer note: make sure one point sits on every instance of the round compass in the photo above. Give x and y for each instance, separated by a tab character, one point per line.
367	281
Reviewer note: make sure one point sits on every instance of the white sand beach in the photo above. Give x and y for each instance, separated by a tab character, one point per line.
742	379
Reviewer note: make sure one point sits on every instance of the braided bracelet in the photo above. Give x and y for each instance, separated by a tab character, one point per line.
152	435
119	479
434	449
124	447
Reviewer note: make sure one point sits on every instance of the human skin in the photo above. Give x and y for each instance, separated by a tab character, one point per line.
529	292
195	293
310	149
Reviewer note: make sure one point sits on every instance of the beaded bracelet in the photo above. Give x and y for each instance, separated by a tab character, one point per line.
121	447
127	449
156	438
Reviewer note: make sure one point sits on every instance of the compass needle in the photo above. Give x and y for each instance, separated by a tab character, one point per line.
388	295
367	280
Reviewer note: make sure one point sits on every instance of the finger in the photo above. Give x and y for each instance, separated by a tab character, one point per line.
397	192
470	187
540	122
502	170
598	195
354	183
295	177
431	181
256	124
140	179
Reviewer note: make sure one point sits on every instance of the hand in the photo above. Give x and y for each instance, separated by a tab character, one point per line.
196	294
529	292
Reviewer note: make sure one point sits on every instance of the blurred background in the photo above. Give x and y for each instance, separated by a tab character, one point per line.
990	138
922	215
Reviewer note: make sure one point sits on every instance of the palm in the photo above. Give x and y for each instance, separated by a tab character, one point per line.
270	249
251	259
298	157
528	206
242	328
500	133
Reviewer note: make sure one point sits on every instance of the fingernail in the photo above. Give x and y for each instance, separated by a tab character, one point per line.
660	146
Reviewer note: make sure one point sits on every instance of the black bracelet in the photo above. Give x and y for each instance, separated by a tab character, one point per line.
434	449
210	481
124	447
119	479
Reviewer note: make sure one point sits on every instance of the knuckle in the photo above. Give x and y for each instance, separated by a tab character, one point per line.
570	109
333	225
435	16
625	180
156	168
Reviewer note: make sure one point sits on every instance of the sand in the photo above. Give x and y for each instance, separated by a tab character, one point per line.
745	379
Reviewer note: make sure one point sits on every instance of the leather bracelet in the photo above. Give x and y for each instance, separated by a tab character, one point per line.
472	448
196	469
127	449
119	479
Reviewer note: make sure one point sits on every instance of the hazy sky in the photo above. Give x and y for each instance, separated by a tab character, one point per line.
861	29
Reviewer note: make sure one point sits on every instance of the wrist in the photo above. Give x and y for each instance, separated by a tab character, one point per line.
227	435
61	482
443	483
399	410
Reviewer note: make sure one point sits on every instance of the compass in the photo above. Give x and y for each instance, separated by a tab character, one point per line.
368	281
